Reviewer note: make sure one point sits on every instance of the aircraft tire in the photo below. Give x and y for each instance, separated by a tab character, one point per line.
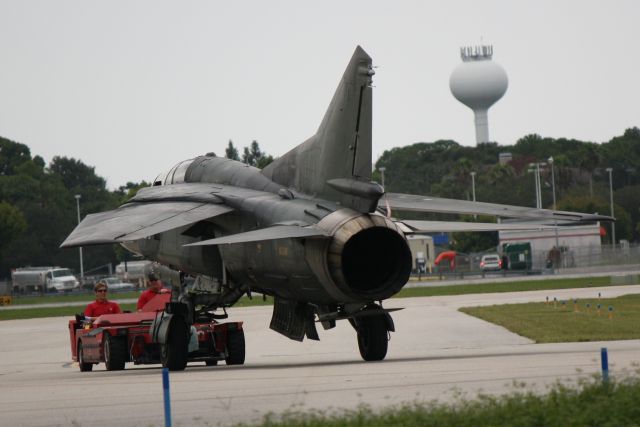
115	352
84	366
175	351
372	338
235	348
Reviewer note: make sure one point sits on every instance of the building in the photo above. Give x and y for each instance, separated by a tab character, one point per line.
421	247
577	245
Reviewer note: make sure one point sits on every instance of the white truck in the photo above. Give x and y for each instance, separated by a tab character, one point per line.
138	272
43	279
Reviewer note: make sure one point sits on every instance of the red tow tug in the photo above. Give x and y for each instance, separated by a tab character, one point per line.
155	335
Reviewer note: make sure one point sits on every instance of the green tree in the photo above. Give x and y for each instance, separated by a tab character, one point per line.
264	161
254	156
588	160
12	225
469	242
252	153
599	205
622	154
12	155
130	189
46	197
499	174
12	222
76	174
629	198
231	152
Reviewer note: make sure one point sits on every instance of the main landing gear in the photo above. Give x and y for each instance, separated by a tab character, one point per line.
372	326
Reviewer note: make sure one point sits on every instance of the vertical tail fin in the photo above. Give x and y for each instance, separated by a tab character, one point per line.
335	163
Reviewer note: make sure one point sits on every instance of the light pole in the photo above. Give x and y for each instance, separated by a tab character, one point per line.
537	179
539	186
382	169
613	224
553	188
80	248
473	185
553	182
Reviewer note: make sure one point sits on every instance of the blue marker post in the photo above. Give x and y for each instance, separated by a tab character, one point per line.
167	397
605	364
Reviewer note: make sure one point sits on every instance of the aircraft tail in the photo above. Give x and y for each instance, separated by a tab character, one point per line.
335	163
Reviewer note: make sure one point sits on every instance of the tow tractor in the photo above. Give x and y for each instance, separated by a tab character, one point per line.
160	333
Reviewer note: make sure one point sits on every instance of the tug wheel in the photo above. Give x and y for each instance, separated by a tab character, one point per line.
175	350
84	366
115	353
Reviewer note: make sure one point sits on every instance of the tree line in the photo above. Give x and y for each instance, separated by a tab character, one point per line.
443	168
38	200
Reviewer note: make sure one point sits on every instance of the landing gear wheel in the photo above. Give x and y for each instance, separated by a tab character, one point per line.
235	348
372	337
84	366
175	351
115	353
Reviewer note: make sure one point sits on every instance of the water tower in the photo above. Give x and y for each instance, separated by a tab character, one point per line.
478	83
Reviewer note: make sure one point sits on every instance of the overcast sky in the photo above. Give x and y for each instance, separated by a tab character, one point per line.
132	87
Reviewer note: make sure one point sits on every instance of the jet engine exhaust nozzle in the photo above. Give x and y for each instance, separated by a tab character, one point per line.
368	257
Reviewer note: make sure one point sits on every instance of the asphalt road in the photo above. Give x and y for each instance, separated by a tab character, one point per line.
436	353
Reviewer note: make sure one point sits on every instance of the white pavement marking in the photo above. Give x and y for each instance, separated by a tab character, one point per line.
435	351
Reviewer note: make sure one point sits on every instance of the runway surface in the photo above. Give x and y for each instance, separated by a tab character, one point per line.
436	353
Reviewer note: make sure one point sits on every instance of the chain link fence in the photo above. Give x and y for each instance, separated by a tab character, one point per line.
620	257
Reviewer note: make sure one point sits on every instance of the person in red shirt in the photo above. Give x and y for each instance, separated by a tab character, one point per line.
101	305
154	288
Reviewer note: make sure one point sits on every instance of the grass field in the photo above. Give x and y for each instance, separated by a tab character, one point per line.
67	311
588	403
486	288
529	285
54	299
70	311
569	322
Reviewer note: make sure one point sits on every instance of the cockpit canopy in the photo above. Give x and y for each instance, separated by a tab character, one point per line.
175	175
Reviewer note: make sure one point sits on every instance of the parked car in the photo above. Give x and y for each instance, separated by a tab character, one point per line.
116	284
490	262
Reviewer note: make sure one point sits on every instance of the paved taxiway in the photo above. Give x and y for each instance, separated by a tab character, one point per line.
435	351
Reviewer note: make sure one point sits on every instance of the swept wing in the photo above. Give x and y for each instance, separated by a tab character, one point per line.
139	220
153	210
457	226
416	203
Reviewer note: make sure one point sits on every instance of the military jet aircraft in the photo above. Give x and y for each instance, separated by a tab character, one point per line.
311	229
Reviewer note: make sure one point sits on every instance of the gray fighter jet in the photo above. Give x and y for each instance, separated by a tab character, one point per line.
311	229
